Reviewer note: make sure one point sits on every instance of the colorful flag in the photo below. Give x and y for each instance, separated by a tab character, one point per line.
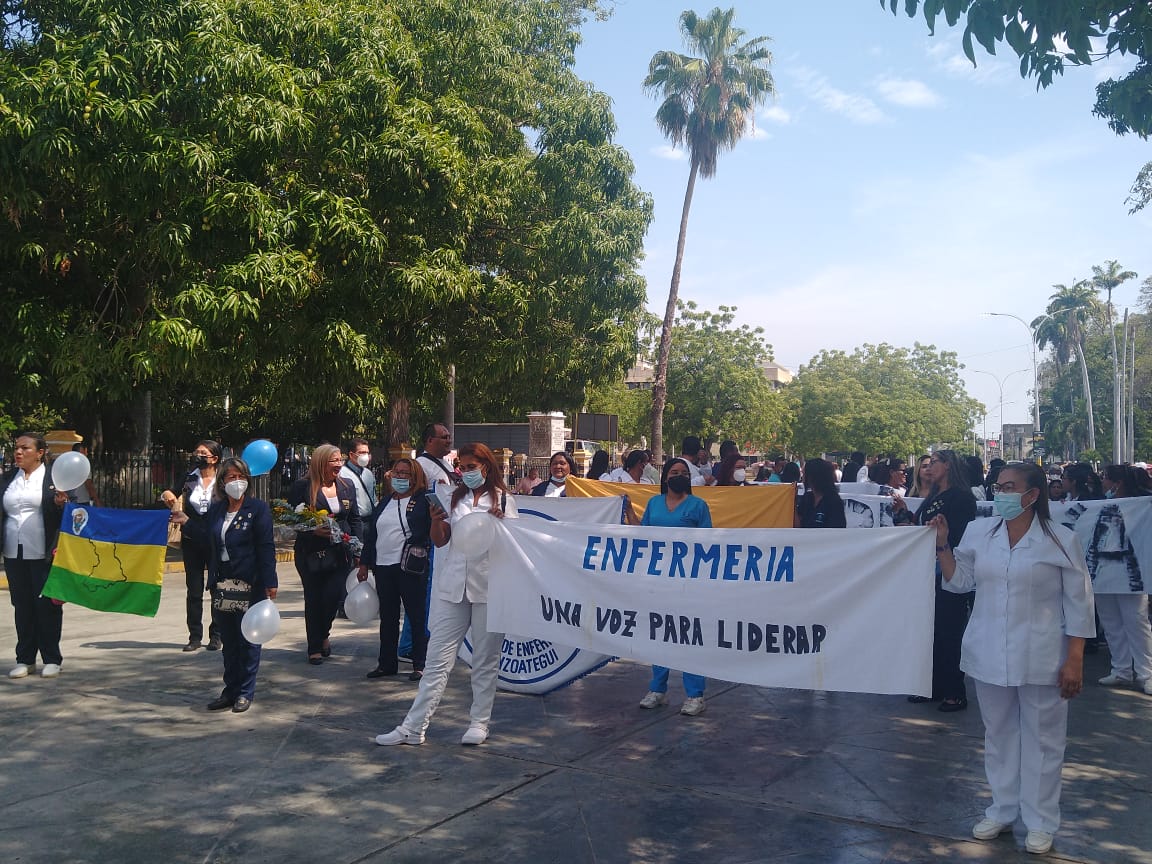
110	560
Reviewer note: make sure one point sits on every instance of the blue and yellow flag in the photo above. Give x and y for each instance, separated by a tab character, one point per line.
110	560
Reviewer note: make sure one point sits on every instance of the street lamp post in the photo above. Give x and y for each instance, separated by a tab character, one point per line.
1035	371
1000	385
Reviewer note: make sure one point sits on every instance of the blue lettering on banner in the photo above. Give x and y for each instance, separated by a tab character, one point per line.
732	562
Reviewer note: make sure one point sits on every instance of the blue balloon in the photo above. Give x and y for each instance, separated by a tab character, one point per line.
260	456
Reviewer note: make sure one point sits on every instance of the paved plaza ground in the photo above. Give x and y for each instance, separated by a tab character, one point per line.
118	761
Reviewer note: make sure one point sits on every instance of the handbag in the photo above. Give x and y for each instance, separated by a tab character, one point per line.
231	595
413	556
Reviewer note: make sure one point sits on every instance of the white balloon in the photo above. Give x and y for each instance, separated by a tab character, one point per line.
261	622
472	536
351	582
362	604
70	470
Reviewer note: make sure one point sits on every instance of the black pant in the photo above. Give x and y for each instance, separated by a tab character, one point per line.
322	596
39	621
195	554
394	585
951	619
241	657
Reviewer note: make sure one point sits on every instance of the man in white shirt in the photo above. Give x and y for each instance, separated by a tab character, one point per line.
363	481
432	458
691	451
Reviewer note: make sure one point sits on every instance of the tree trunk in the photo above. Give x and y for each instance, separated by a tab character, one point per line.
397	420
660	385
142	423
1117	407
1087	395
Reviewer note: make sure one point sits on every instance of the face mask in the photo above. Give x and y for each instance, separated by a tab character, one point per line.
1111	493
200	461
363	459
401	485
739	474
236	489
679	484
559	478
473	479
1007	505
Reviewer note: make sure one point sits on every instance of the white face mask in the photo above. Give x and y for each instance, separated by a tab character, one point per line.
236	489
363	459
739	474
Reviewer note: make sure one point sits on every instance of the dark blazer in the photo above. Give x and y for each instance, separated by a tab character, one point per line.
49	512
196	528
540	488
419	525
298	494
251	549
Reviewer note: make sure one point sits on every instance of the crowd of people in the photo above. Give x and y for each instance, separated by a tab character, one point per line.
1014	597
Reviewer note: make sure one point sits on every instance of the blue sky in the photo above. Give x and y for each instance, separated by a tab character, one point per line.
891	192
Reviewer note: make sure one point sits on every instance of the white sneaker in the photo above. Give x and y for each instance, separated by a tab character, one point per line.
1147	688
20	670
1038	842
653	699
1114	681
50	670
476	734
989	829
693	706
399	735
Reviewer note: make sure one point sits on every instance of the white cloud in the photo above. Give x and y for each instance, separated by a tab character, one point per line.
667	151
776	114
907	93
757	133
949	59
854	106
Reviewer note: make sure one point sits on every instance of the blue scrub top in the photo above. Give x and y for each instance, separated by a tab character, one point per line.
693	512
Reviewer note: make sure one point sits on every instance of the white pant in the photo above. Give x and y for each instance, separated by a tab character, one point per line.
1124	618
448	622
1025	729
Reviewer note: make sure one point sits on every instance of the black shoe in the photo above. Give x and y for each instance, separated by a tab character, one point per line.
918	700
316	661
949	706
416	675
214	643
241	705
380	673
220	704
193	645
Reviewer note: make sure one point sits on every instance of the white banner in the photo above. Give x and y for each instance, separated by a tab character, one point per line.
1117	539
818	610
533	665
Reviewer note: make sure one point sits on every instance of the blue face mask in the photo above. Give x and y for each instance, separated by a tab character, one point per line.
1007	505
1111	493
473	479
401	485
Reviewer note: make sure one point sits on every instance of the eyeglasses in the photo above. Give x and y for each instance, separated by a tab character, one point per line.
1003	487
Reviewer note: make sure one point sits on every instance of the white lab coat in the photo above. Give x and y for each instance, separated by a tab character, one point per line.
458	579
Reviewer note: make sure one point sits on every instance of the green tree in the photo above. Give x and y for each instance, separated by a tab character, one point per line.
1107	278
880	399
1048	36
716	385
1064	325
308	211
708	102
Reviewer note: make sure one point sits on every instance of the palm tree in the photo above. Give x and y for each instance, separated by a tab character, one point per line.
1063	324
1108	277
709	101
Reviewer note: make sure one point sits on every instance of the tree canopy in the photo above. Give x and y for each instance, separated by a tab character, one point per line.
880	399
310	209
1047	36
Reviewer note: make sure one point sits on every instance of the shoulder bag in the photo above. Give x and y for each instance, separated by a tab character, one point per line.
413	556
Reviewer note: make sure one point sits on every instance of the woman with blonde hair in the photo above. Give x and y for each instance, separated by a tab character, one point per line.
321	559
460	601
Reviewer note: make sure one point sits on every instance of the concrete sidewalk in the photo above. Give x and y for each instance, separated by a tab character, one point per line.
118	761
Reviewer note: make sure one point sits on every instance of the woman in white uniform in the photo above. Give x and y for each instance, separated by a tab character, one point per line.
460	601
1024	646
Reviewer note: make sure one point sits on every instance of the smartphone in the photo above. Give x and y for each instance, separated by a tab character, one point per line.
433	499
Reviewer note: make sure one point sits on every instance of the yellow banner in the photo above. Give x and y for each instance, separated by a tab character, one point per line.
731	506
